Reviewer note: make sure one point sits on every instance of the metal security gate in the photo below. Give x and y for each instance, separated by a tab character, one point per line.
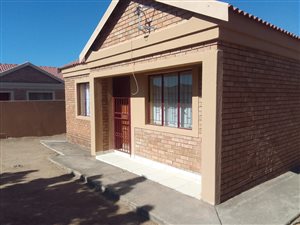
122	124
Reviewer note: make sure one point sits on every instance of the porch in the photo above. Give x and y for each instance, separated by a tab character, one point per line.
124	118
176	179
153	124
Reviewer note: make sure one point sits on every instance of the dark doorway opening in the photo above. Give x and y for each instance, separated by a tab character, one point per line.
121	101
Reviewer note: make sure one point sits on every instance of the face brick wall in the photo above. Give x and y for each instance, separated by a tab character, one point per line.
260	118
180	151
78	130
105	113
125	24
183	152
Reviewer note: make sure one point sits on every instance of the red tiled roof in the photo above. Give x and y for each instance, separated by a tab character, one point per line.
52	70
259	20
71	64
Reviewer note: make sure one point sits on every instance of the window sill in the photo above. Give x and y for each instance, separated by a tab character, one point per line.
173	130
88	118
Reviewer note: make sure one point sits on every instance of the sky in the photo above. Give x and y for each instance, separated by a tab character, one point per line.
53	32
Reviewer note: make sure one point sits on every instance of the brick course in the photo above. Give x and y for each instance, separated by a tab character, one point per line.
260	117
78	130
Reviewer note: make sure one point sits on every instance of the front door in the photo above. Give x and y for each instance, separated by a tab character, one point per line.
121	101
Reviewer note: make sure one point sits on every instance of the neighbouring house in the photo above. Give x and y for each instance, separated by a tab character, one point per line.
198	85
29	82
31	100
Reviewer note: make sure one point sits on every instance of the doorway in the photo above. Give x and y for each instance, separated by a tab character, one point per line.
121	112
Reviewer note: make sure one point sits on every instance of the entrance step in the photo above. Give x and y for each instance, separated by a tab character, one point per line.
182	181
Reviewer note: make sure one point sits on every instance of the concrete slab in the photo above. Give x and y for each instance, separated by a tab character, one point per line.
62	147
160	173
273	202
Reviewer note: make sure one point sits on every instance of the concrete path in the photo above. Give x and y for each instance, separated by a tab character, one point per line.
274	202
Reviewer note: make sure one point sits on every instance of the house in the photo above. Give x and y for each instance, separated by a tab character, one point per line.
29	82
31	101
200	85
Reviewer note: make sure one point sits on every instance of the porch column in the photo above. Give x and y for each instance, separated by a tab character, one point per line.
211	142
92	116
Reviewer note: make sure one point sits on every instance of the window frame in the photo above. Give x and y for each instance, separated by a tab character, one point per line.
162	75
40	91
77	97
11	96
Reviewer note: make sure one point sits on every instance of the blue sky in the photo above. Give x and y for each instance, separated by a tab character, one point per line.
53	33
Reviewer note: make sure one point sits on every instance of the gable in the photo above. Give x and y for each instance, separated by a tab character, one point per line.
123	22
28	74
210	8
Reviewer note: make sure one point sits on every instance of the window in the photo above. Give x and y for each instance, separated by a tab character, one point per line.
83	92
40	96
170	100
5	96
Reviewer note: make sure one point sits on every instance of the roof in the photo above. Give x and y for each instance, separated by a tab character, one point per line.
259	20
49	69
211	8
71	64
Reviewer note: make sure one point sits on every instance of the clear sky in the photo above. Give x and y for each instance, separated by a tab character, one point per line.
53	32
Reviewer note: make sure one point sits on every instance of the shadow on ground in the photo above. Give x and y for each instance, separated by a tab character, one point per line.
60	200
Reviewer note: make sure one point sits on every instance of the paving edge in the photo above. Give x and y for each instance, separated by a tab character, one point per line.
42	142
291	222
111	194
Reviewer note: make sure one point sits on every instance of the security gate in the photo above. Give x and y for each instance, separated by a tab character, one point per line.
122	123
121	104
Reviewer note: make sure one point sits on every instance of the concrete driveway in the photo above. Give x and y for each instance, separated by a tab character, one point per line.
35	191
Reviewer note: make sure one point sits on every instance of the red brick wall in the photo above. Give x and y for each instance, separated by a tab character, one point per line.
78	130
260	118
124	26
183	152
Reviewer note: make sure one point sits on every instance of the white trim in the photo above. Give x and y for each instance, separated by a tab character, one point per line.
42	91
12	95
212	8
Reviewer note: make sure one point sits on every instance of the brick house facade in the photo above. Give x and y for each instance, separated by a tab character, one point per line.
243	90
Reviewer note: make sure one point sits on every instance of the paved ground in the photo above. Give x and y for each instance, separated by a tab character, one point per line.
35	191
274	202
162	204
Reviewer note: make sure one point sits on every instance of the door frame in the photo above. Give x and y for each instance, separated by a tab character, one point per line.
126	95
